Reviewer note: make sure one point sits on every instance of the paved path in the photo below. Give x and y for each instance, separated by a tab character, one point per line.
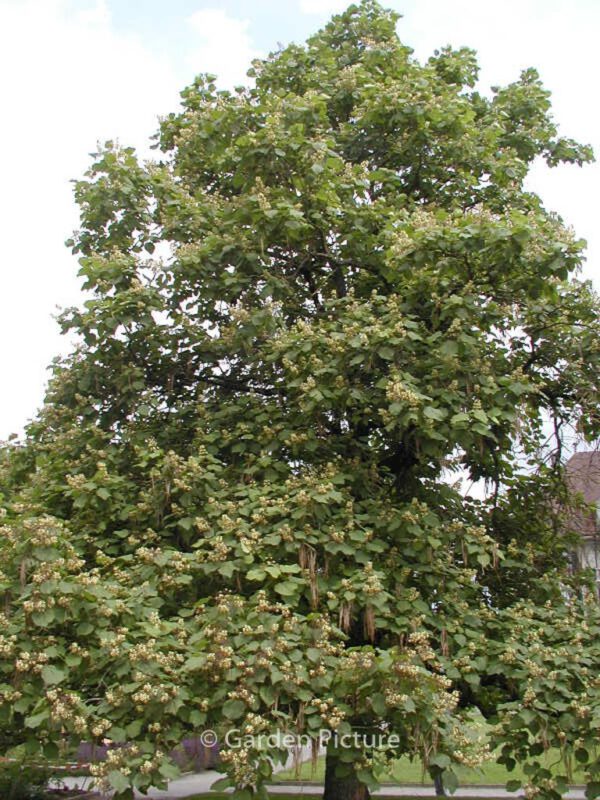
202	781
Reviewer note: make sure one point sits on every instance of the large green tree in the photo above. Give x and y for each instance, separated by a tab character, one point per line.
328	294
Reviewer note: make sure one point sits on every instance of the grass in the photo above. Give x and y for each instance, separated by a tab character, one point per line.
407	772
303	796
221	796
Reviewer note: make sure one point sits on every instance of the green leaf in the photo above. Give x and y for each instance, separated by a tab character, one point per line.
118	781
169	771
195	662
134	729
241	794
267	695
51	751
234	709
52	675
378	704
459	418
32	746
366	776
438	414
43	618
227	569
37	719
386	352
84	628
409	705
450	781
286	588
127	794
256	575
221	783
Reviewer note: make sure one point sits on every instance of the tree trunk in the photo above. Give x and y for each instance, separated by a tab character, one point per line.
347	787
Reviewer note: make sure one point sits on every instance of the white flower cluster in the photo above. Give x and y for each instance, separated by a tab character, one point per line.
371	583
148	652
330	714
239	765
153	693
419	640
356	662
395	699
66	709
117	760
469	749
31	662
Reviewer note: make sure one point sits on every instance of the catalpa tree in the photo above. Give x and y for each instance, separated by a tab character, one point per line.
328	294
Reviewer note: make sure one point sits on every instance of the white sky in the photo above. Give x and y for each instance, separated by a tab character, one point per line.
73	74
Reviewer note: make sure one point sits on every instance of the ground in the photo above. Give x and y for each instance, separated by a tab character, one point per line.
409	772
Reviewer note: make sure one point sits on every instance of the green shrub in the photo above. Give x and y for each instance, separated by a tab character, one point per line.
23	780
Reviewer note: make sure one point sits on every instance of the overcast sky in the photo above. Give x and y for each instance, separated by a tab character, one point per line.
75	72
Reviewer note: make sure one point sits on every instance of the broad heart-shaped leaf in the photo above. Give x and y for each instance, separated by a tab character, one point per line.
134	728
386	352
450	781
366	777
227	569
51	751
169	771
267	694
233	709
435	413
119	782
378	704
52	675
241	794
256	574
221	783
399	771
36	720
85	628
195	662
287	588
44	618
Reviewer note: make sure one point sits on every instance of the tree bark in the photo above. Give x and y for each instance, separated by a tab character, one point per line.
337	787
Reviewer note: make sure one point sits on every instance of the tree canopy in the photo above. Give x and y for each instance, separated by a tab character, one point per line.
326	298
